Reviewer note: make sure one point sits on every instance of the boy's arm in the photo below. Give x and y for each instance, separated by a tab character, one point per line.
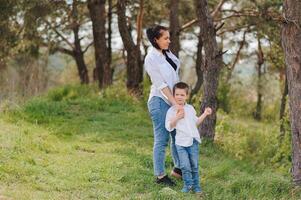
200	119
172	118
173	122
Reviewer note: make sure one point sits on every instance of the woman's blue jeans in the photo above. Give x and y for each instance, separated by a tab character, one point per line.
157	108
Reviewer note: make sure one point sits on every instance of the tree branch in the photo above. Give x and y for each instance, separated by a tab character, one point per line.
218	27
64	50
139	22
188	24
58	33
213	14
234	29
270	15
59	49
87	47
242	43
217	9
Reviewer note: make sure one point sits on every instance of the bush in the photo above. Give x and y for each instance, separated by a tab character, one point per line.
283	158
247	139
223	97
70	92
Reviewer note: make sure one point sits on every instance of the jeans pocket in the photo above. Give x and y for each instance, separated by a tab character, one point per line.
154	105
155	110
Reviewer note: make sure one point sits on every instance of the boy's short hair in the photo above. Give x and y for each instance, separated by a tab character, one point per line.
180	85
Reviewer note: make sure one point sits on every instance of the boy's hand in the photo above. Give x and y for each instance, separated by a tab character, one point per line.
208	111
180	113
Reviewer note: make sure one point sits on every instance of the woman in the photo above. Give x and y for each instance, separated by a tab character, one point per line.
163	68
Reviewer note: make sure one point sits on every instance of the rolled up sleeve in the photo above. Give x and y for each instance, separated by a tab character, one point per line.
170	113
154	74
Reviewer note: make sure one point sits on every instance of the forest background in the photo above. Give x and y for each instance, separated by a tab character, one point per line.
73	91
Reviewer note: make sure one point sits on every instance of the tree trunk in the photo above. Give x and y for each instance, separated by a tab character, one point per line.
237	56
174	27
98	17
78	54
258	112
282	108
198	68
291	43
110	12
3	65
134	62
213	64
81	66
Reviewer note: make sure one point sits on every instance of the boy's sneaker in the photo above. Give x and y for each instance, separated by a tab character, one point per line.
176	172
197	190
186	189
200	195
165	180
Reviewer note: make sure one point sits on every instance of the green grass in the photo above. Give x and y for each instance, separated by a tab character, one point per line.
74	143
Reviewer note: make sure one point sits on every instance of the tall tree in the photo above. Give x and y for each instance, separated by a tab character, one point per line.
199	64
78	53
174	27
58	23
260	61
9	28
133	61
213	64
98	16
110	19
242	43
199	67
282	108
291	43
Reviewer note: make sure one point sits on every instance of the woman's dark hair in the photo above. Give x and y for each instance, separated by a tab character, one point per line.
155	33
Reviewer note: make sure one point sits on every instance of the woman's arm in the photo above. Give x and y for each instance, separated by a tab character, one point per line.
157	79
166	91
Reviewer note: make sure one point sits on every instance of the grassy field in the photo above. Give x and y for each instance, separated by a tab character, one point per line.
74	143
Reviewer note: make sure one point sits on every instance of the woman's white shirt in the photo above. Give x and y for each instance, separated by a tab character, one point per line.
161	73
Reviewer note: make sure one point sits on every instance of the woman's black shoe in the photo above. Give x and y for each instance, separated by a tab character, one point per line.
165	180
176	172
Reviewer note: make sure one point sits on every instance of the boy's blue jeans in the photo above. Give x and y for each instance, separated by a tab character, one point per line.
158	108
189	163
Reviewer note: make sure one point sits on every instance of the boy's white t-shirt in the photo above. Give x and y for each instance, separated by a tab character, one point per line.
186	128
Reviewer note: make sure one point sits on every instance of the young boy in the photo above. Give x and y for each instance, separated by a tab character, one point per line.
185	121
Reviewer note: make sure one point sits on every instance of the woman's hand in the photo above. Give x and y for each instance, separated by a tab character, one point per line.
179	107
